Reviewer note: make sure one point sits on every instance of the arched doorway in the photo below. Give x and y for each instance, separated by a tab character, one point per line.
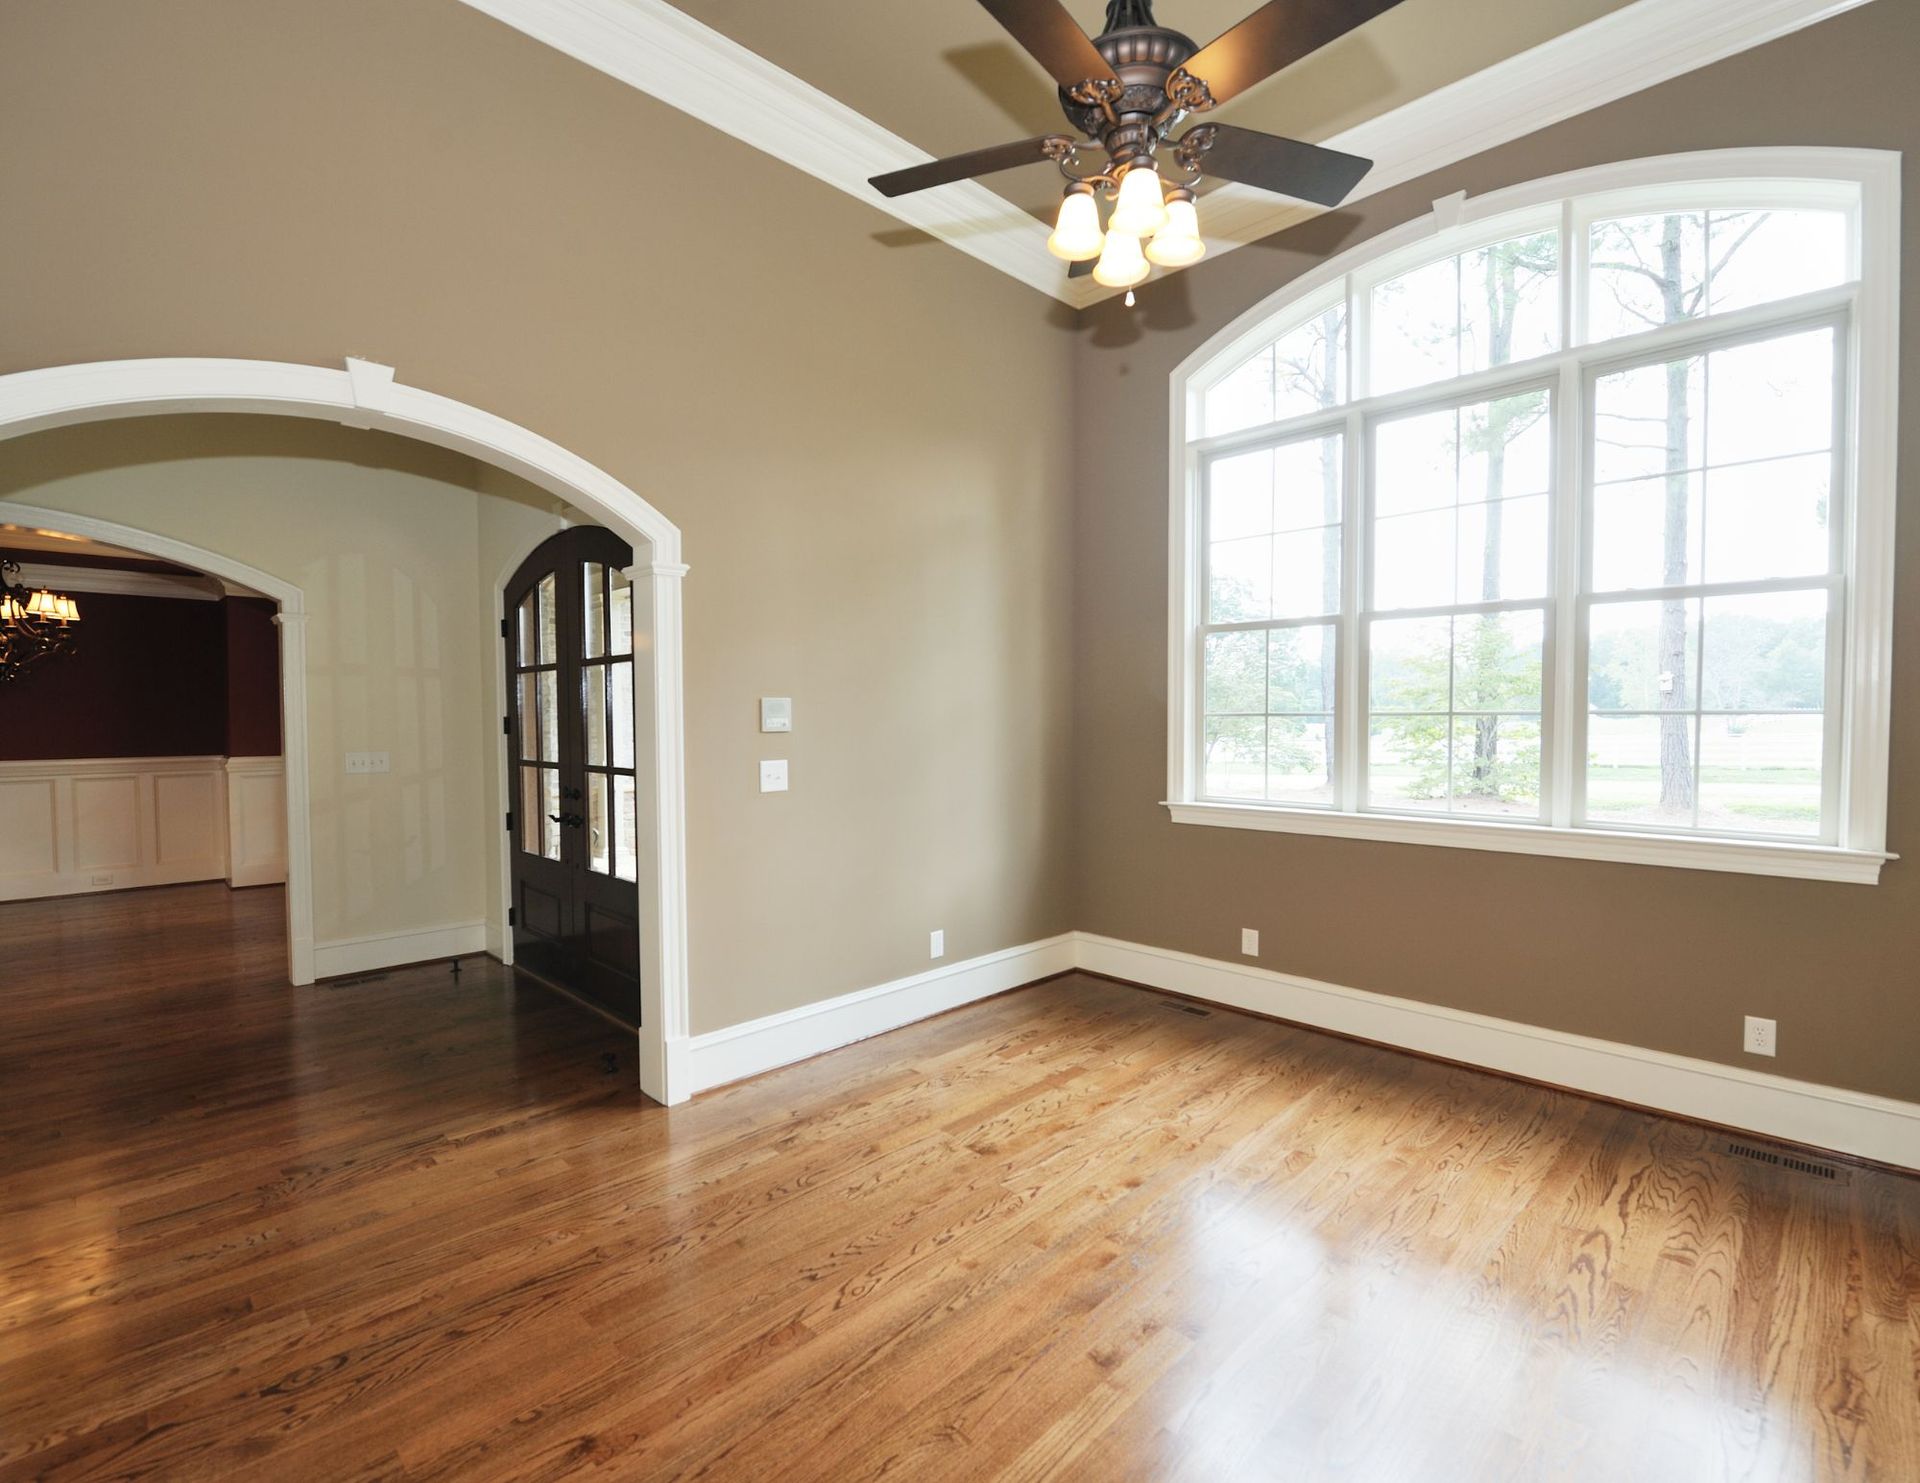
366	395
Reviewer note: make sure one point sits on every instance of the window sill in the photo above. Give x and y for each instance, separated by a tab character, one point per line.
1803	862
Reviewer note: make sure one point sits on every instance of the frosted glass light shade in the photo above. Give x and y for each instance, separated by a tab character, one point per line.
1141	208
1076	234
1178	242
1121	265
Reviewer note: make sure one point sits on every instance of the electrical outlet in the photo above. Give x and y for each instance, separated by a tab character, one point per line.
773	776
1760	1037
103	880
1249	942
937	943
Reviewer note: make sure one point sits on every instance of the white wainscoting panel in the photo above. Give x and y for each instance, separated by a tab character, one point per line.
256	821
188	812
29	836
105	824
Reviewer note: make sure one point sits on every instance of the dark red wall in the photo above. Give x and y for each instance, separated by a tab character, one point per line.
253	678
152	678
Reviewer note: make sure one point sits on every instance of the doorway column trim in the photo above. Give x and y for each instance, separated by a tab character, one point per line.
366	394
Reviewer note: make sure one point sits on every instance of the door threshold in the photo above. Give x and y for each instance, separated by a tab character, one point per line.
580	999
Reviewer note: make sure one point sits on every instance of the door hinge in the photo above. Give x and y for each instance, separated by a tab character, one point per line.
512	917
506	726
504	630
509	823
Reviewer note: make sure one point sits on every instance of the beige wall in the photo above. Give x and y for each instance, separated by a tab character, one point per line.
859	433
1665	958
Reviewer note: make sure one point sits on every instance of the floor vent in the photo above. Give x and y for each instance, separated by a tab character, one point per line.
1179	1008
348	983
1784	1160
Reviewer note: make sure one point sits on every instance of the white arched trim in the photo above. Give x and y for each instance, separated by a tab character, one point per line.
1863	182
367	395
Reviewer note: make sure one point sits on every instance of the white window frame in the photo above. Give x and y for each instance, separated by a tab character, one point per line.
1864	183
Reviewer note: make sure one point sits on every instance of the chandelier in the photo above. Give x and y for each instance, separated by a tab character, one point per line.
35	626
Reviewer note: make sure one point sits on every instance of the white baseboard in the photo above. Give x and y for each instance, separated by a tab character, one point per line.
397	949
1856	1123
120	878
721	1056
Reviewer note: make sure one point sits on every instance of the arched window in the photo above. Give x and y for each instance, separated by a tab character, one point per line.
1558	522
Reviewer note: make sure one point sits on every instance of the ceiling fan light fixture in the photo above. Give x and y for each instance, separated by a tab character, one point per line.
1121	262
1076	234
1178	244
1140	210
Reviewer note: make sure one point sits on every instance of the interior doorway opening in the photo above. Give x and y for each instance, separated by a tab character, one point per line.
143	739
574	789
366	395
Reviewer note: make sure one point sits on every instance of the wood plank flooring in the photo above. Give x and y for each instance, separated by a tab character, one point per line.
412	1228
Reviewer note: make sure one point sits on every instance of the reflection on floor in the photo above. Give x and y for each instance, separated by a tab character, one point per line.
412	1227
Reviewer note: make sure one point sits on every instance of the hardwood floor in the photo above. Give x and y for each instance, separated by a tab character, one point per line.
412	1228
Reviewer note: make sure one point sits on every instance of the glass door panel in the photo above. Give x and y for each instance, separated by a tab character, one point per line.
571	745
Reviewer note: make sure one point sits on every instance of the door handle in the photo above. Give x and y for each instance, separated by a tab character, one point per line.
572	821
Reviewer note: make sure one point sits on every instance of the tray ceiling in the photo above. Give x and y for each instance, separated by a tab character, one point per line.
849	89
943	75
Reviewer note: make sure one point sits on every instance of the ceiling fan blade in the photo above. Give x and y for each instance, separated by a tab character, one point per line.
1276	35
1081	269
1052	37
1308	172
965	166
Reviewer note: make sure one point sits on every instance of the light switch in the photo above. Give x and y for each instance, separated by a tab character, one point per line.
358	762
776	713
773	776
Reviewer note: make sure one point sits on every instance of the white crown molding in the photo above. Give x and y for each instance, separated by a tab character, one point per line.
47	767
118	583
1634	48
670	56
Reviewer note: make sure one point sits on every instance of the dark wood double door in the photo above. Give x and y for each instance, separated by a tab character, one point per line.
575	814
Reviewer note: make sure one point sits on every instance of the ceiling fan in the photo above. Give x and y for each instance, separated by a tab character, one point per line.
1127	90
